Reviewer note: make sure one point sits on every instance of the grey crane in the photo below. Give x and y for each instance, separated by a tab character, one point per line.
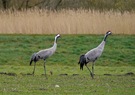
93	55
44	54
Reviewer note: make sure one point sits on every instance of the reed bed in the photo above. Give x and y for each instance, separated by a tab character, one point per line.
66	22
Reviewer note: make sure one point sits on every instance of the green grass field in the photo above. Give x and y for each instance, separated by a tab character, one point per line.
17	49
68	85
116	61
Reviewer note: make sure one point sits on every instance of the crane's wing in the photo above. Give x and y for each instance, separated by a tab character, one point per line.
93	54
43	54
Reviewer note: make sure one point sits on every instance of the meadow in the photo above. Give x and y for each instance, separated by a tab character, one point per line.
114	71
81	84
17	49
66	22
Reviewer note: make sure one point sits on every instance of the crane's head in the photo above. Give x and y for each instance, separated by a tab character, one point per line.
108	32
57	36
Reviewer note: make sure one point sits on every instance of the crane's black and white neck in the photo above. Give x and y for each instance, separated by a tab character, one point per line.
55	43
106	35
56	37
102	44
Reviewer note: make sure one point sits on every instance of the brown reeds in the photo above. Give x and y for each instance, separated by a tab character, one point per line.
66	22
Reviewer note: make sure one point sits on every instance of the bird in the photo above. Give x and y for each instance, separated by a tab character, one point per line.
44	54
93	55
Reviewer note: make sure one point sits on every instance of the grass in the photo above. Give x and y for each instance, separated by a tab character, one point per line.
82	84
17	49
117	60
66	22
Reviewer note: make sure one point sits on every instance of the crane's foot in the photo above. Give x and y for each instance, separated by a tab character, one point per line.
33	73
92	75
46	76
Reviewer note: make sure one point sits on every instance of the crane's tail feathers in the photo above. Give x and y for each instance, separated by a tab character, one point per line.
81	66
82	61
31	62
33	58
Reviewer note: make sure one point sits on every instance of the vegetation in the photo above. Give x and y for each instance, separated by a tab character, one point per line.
114	70
17	49
66	22
116	5
117	81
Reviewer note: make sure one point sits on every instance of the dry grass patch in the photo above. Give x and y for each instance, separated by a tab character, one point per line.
66	22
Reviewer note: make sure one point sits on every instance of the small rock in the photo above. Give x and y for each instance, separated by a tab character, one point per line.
57	86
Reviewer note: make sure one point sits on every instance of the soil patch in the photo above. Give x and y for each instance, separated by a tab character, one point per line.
9	74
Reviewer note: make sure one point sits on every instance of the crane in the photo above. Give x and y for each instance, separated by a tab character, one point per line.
44	54
93	55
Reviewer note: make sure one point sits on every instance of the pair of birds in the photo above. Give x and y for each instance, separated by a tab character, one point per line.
90	56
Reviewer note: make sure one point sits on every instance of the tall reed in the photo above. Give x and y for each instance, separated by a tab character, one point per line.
66	22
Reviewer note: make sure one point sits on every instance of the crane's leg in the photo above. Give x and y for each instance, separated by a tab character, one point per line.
93	69
45	69
34	68
90	71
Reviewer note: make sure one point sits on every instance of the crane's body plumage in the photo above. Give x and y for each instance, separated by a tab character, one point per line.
44	54
93	55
